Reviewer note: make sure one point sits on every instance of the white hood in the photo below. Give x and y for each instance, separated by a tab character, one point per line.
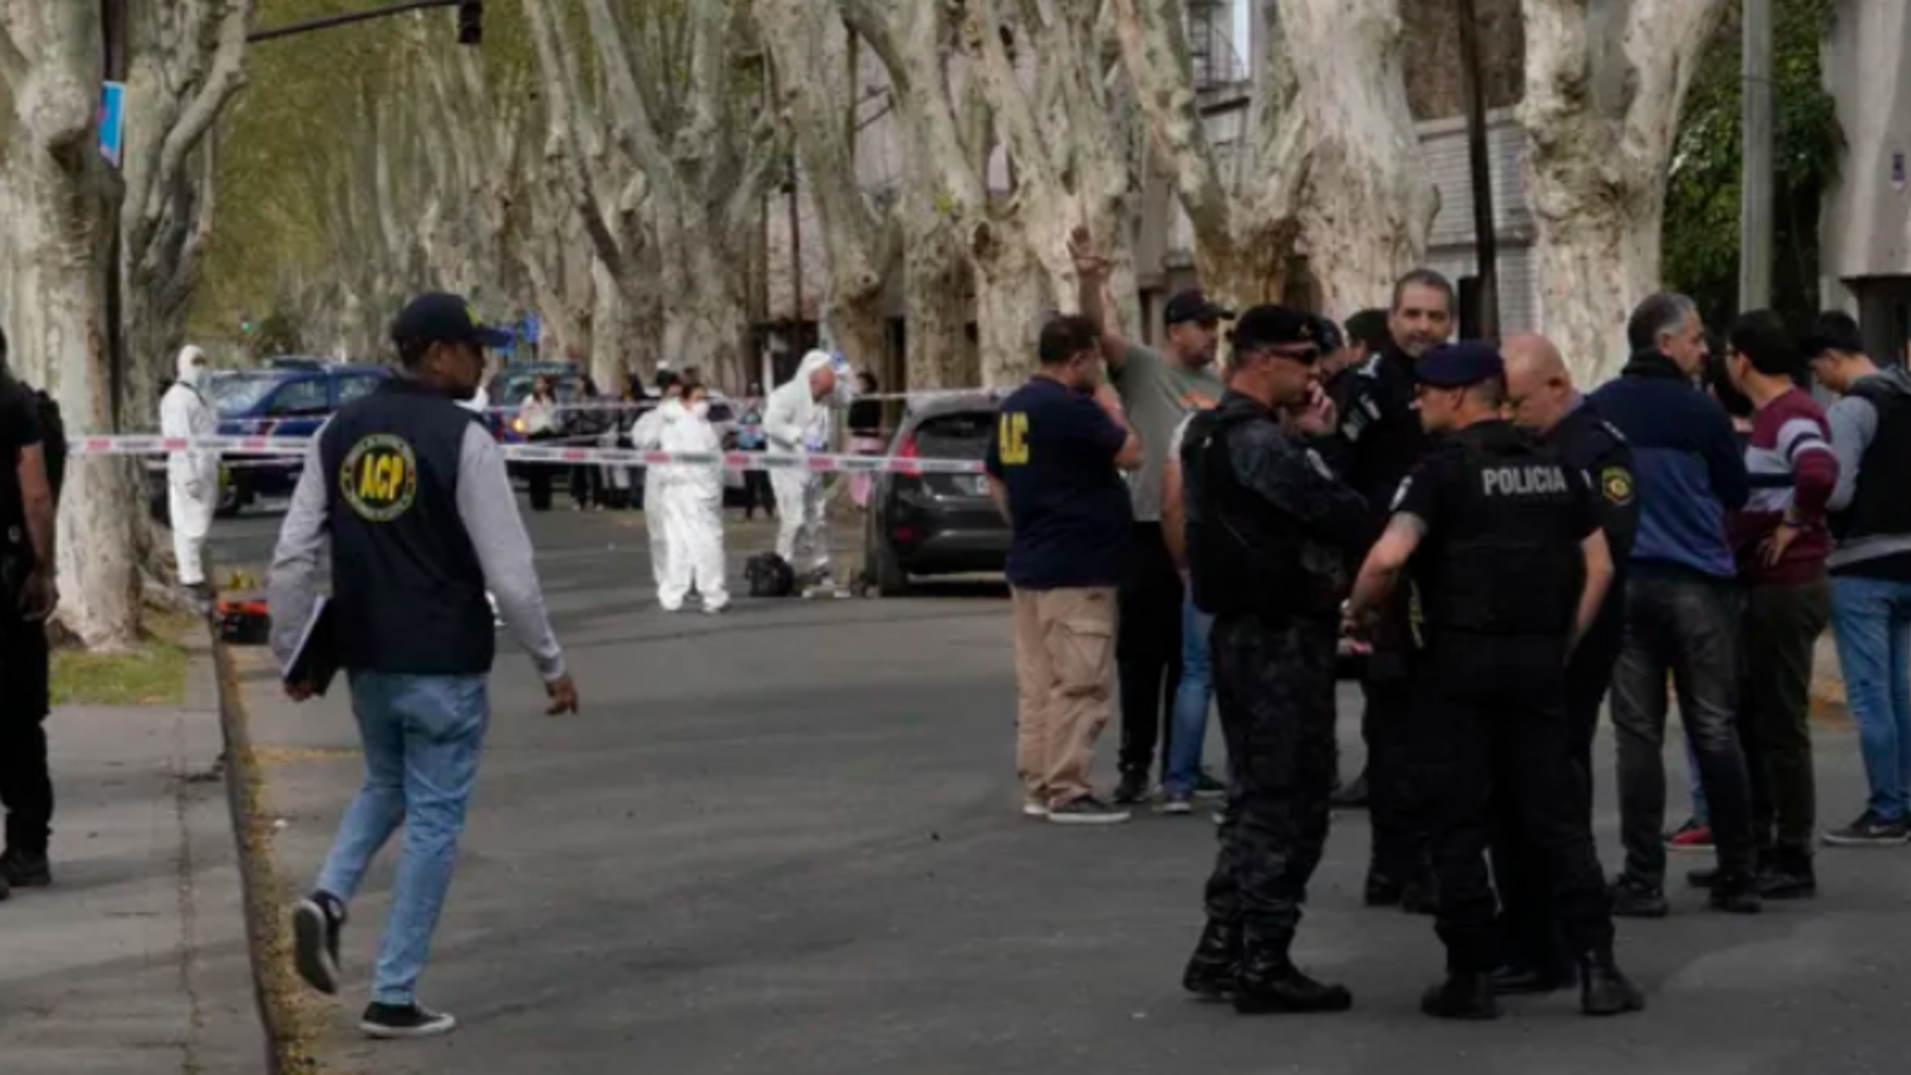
189	366
794	414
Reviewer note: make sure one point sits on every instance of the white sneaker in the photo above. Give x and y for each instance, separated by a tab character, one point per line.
1035	808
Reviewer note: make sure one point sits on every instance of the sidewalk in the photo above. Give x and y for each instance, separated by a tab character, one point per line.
134	962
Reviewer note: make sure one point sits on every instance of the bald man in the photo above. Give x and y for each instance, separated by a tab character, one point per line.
1541	399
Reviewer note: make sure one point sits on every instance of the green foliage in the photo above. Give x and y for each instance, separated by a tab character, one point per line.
1701	235
280	334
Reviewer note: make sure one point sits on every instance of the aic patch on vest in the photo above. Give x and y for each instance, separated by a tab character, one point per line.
379	477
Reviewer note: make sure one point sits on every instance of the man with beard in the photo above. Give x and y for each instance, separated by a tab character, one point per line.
1383	440
1268	526
1158	390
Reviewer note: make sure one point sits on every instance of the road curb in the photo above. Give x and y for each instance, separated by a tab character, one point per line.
291	1045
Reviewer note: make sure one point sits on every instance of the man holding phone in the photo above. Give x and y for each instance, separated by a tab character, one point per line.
413	498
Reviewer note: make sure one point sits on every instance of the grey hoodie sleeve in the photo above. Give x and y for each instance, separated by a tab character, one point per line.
489	508
292	588
1854	422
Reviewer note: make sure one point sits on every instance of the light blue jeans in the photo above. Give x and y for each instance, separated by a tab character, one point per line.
423	736
1873	620
1188	734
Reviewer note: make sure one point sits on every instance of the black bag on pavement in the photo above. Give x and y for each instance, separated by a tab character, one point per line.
769	575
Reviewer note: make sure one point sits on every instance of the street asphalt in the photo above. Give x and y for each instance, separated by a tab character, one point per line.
786	839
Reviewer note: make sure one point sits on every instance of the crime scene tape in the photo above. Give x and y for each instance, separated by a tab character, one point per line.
526	453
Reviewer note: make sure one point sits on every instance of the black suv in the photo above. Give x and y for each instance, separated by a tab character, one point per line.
936	524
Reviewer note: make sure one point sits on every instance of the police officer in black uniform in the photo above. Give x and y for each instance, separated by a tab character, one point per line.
1381	441
1511	569
1268	528
1541	400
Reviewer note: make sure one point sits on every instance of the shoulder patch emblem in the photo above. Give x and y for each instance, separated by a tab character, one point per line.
1615	484
379	478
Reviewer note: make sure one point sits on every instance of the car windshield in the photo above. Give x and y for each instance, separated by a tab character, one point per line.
516	388
241	393
955	436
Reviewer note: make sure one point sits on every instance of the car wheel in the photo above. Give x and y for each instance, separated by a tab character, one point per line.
880	569
232	500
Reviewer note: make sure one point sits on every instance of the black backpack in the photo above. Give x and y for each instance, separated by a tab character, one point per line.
769	575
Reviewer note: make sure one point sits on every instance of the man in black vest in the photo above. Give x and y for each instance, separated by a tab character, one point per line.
1512	570
1381	440
1542	401
1268	529
28	498
413	497
1871	567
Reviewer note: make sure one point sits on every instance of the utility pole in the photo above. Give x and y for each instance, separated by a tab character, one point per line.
1485	239
115	39
1755	182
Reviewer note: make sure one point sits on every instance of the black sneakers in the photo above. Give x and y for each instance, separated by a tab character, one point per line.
1636	899
316	923
1086	810
19	869
1132	789
392	1022
1870	830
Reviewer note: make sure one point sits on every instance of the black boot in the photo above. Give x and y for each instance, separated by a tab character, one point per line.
1788	875
1216	962
1604	990
1736	894
1464	995
1516	979
21	869
1270	984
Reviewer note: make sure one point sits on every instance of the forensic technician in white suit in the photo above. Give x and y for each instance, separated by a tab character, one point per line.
799	419
192	477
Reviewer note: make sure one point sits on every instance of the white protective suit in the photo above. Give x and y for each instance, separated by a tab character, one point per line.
796	421
646	435
691	496
192	477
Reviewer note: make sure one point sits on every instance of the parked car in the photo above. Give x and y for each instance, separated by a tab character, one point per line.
936	524
284	401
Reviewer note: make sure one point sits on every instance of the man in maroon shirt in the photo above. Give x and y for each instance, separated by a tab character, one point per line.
1781	541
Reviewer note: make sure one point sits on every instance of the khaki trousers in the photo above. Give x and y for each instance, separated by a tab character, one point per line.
1064	659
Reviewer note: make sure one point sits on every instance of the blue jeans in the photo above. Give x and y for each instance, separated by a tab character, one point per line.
422	736
1873	620
1188	734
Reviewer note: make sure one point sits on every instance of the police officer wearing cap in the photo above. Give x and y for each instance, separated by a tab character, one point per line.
1268	528
1381	441
1511	567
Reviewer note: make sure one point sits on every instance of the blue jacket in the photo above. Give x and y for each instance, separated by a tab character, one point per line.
1687	464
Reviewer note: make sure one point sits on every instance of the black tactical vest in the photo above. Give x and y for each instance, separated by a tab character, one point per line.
1882	502
1503	557
1244	555
407	584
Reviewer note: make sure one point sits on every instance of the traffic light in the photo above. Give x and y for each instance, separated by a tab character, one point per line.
471	22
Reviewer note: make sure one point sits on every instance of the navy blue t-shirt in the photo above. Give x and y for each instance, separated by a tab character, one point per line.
1054	450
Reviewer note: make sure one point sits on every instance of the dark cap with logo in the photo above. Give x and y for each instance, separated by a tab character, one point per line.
1459	365
1193	305
1275	326
436	317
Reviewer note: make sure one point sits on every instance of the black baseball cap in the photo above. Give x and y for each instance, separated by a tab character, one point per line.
1275	326
1331	338
1459	365
437	317
1193	305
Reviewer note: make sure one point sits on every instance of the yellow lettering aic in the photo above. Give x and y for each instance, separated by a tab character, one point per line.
1012	438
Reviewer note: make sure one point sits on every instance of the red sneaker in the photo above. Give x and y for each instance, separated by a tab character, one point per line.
1694	835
